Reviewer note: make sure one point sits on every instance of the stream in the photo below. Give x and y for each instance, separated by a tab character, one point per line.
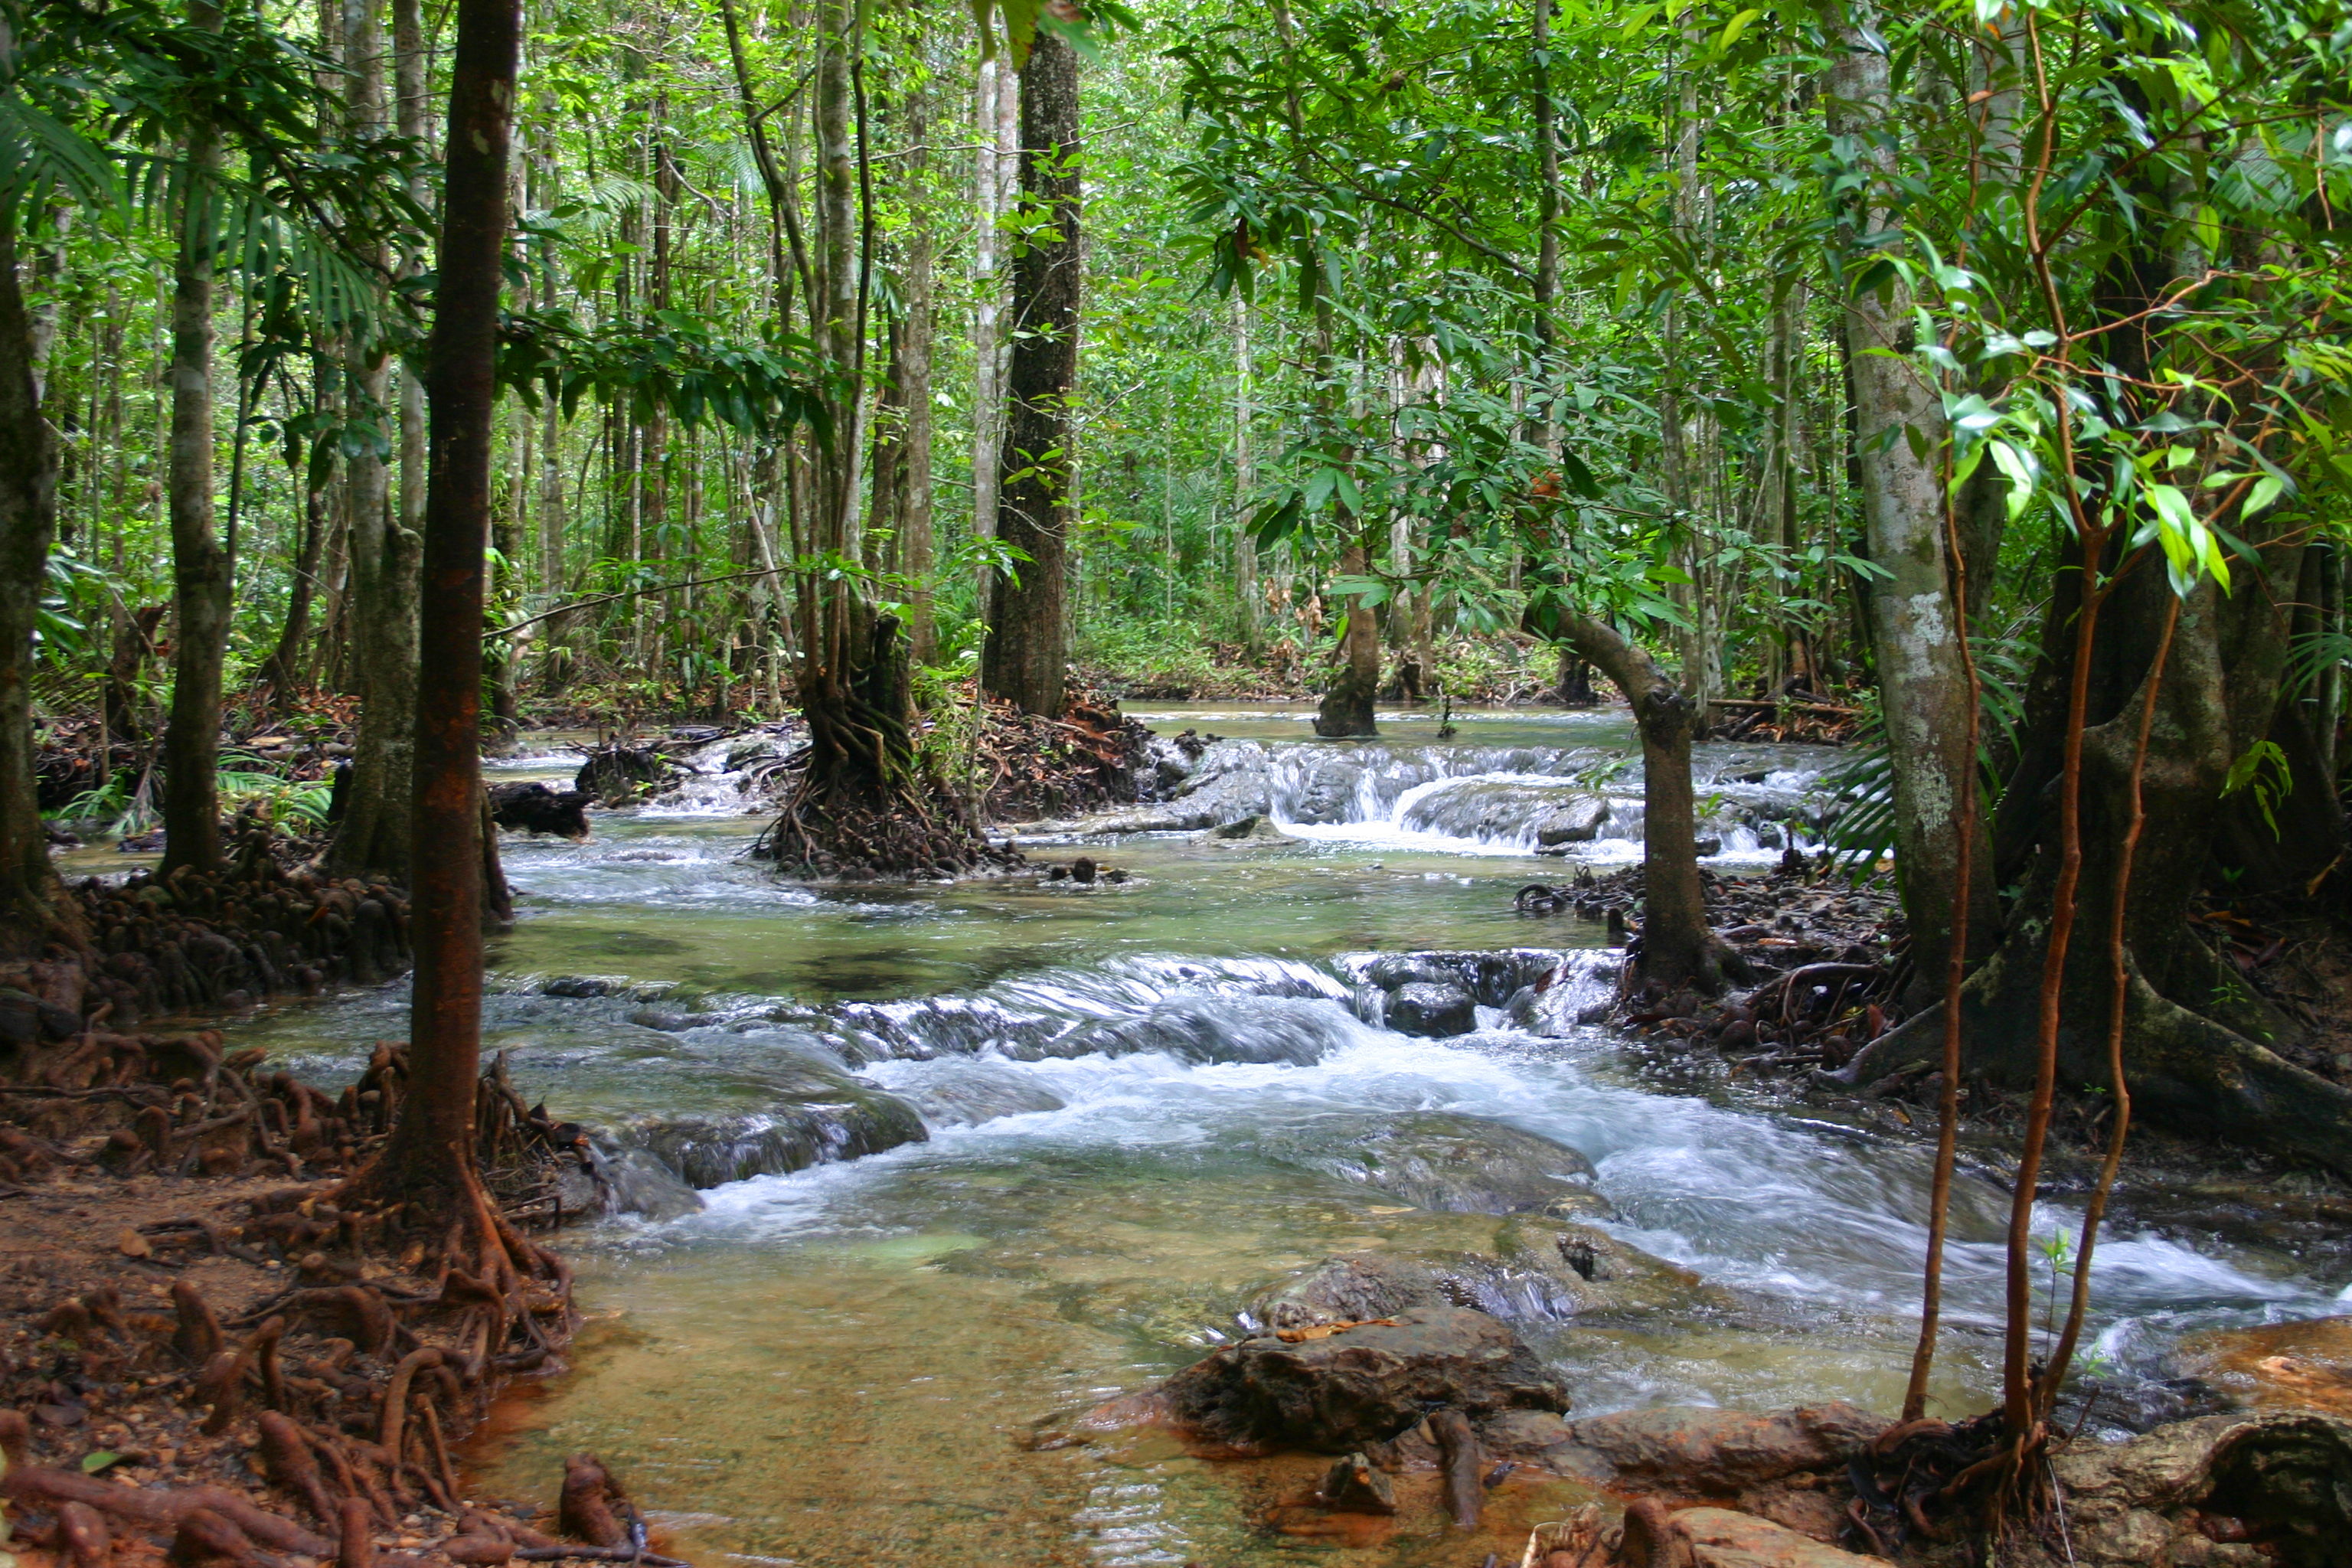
975	1158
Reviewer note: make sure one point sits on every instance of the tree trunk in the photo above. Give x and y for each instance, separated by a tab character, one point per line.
996	116
2197	1040
35	908
916	547
372	837
1028	640
1346	711
284	672
1245	575
1678	947
431	1157
1923	685
201	569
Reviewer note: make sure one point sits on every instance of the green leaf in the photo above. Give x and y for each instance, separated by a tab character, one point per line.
97	1461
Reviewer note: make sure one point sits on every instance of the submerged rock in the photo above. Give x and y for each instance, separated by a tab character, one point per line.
819	1116
1359	1383
1300	1031
2301	1366
638	1183
1525	1267
1436	1159
1430	1011
965	1095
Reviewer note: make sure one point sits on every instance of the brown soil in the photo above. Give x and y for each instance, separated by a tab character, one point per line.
204	1356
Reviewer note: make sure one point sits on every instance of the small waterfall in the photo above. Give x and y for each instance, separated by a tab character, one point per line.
723	777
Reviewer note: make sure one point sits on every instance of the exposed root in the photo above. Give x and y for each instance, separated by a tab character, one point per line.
827	834
309	1334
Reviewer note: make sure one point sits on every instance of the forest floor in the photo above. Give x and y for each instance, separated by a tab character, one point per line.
203	1358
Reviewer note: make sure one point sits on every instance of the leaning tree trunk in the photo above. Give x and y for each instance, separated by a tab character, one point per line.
201	569
1346	710
1027	651
35	909
1923	681
1678	948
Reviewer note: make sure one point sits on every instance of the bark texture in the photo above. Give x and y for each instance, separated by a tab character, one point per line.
1915	635
371	838
34	908
1346	710
201	568
432	1148
1027	652
1677	946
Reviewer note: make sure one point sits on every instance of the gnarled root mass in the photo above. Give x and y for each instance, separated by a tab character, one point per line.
159	945
201	1296
838	836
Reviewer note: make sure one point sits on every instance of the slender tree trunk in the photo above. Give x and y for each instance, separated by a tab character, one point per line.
200	566
996	109
1028	643
1546	284
35	908
1246	574
1923	686
285	670
373	836
431	1157
916	547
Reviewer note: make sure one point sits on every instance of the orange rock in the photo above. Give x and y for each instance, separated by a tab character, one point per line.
2301	1366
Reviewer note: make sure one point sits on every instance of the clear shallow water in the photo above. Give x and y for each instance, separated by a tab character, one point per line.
855	1363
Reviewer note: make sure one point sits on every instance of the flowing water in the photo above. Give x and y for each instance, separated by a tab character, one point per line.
976	1158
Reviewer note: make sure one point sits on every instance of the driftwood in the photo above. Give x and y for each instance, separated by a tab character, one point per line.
1463	1461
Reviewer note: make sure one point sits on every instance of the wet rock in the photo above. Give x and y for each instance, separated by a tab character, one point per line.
1436	1159
1720	1538
824	1119
2276	1489
2301	1366
1264	1029
961	1095
1354	1486
580	986
1491	978
1578	822
1524	1268
1697	1451
619	775
1432	1011
535	808
1330	793
751	750
638	1183
670	1020
1361	1384
1251	826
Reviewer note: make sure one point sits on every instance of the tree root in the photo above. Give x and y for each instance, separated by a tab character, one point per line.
836	832
367	1347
